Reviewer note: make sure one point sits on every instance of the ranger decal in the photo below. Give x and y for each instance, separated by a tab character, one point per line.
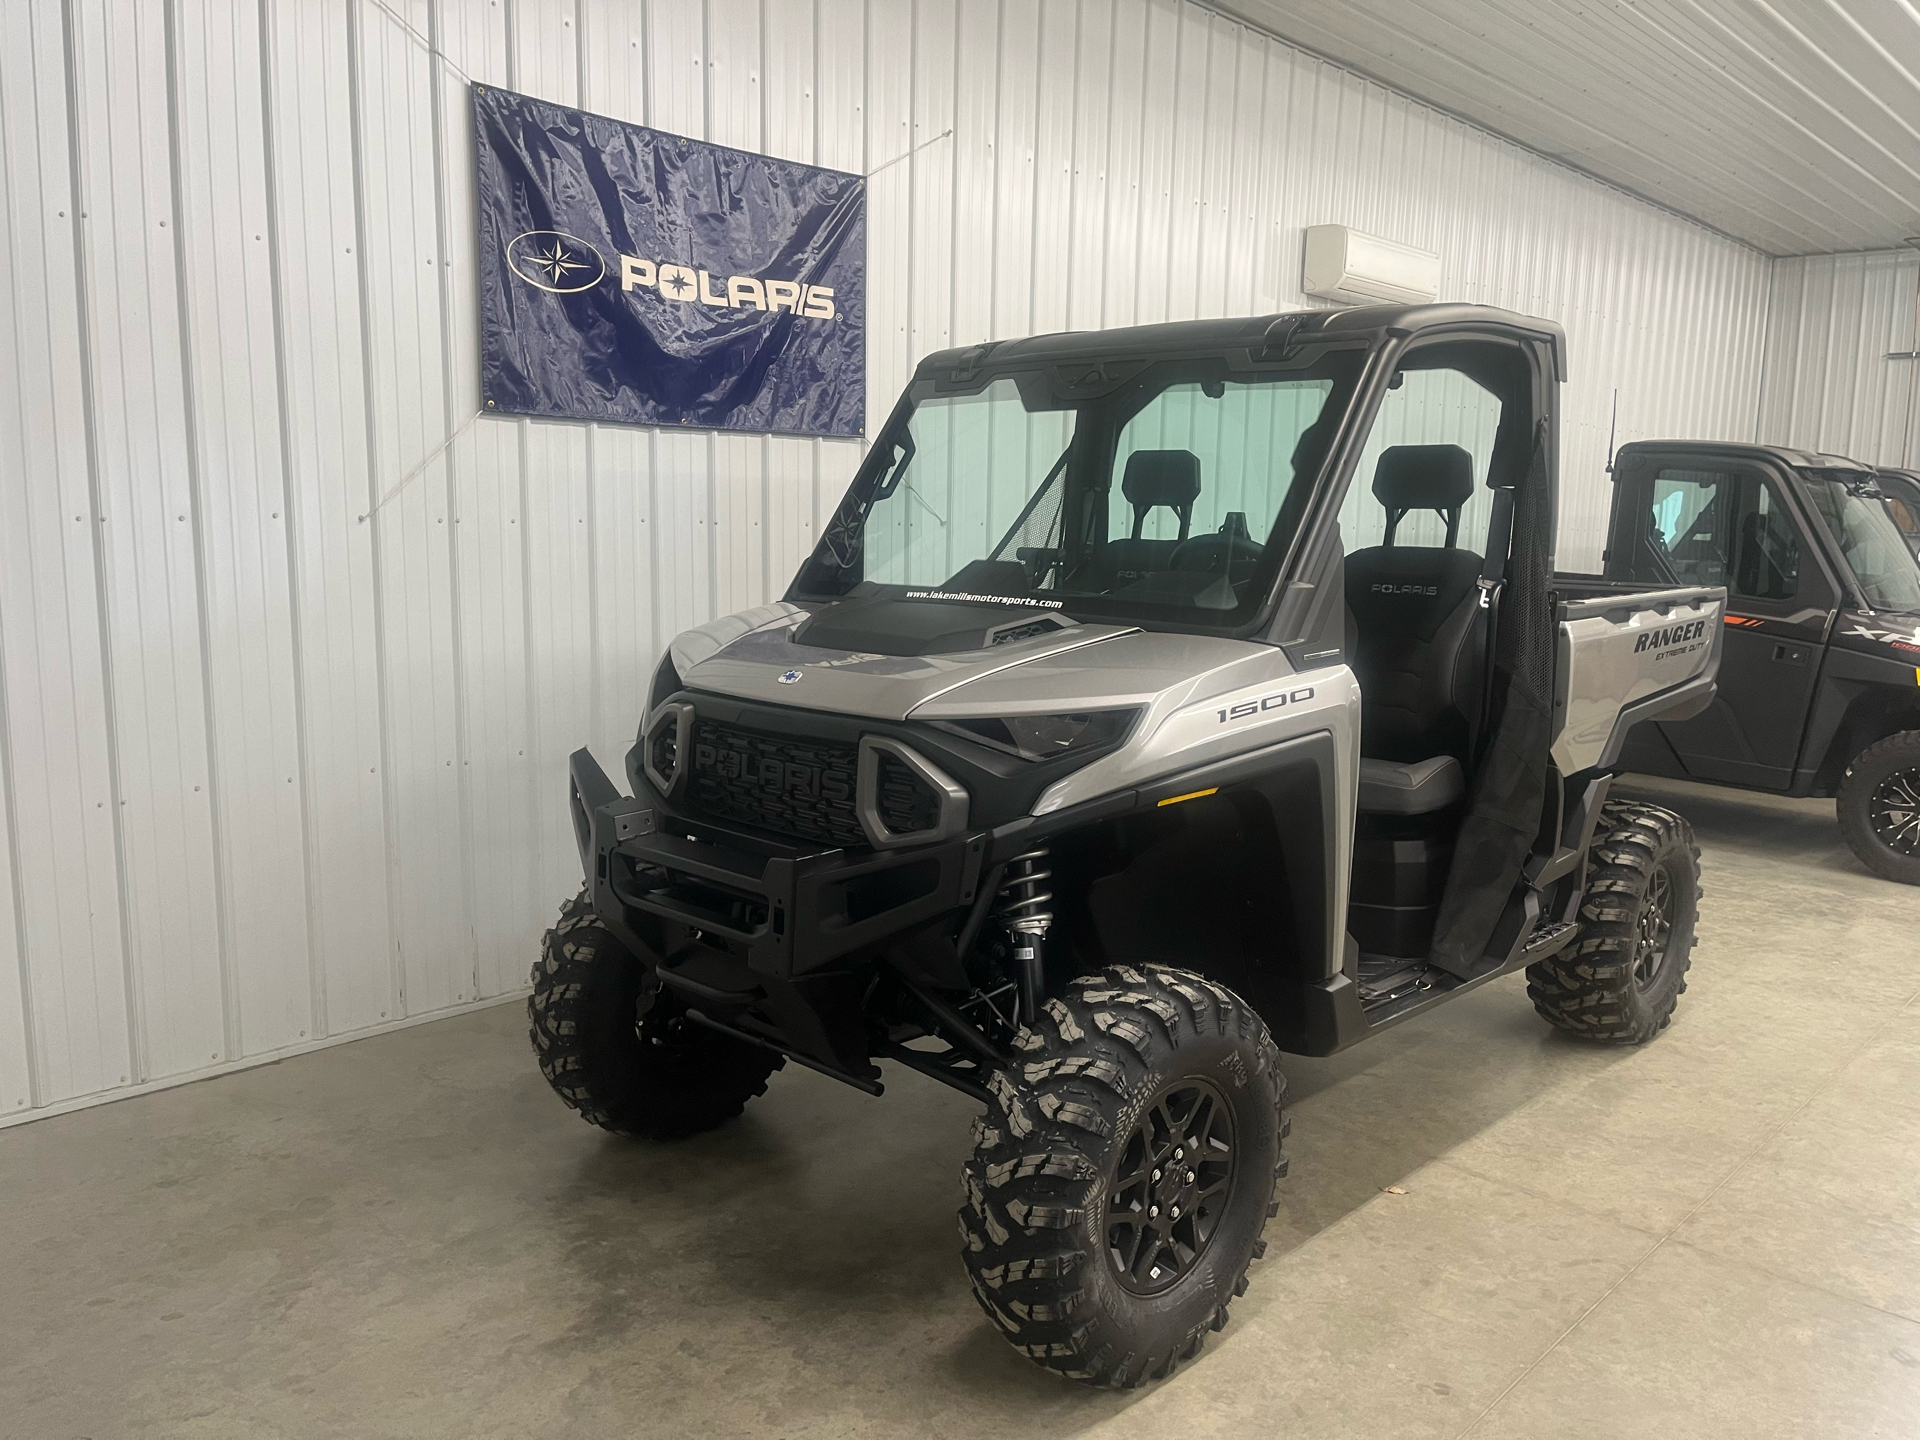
1670	635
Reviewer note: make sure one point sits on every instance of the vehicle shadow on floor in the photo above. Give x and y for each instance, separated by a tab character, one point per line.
1764	826
823	1221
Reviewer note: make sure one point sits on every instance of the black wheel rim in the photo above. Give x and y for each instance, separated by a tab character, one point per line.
1172	1188
1894	812
1654	931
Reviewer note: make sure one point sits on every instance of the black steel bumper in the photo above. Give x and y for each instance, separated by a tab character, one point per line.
769	941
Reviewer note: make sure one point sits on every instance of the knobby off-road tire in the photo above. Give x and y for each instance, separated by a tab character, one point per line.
1879	804
618	1048
1079	1142
1621	979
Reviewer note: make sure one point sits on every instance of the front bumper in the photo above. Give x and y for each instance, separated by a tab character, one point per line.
774	941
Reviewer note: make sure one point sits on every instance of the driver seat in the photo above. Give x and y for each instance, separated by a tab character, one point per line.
1152	478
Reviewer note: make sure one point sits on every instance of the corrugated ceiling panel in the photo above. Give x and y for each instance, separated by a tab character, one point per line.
369	624
1793	125
1833	381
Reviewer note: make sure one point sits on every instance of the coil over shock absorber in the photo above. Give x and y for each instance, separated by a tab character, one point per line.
1024	907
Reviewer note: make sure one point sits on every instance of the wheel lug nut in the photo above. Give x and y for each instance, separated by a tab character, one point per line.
1179	1154
1176	1212
1189	1177
1153	1211
1156	1174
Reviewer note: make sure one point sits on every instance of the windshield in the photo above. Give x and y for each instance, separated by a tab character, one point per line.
1851	505
1902	494
1172	496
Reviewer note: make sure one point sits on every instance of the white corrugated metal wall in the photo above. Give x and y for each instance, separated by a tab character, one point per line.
1832	381
291	653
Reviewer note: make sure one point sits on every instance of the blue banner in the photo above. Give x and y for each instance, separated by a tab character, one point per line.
634	276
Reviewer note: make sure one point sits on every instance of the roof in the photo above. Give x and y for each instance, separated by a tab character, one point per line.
1782	454
1184	337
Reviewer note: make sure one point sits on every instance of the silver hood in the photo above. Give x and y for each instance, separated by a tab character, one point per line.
753	656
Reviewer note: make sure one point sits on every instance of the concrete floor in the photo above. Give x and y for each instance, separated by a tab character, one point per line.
1717	1235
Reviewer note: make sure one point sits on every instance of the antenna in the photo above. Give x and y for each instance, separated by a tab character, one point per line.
1612	426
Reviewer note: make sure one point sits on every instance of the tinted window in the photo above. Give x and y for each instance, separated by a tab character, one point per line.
1719	527
1851	507
1241	439
1686	525
1428	407
1766	549
1171	496
1903	505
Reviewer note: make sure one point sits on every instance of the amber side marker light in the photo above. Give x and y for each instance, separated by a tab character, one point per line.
1190	795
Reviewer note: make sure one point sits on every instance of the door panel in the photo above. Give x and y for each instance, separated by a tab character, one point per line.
1722	524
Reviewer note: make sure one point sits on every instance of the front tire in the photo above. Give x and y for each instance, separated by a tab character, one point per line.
1879	804
619	1049
1121	1178
1622	978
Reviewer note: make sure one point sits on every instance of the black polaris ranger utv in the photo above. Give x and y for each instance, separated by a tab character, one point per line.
1083	766
1820	683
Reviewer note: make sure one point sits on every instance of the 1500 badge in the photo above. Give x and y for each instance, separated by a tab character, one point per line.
1248	708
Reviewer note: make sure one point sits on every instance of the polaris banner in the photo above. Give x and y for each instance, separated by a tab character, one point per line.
633	276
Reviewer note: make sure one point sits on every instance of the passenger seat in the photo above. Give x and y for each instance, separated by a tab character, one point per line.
1419	638
1152	478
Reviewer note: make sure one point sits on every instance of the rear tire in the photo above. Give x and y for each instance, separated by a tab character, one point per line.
1139	1088
1621	979
1879	804
620	1050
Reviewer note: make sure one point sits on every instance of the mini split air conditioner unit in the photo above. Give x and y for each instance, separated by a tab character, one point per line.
1356	269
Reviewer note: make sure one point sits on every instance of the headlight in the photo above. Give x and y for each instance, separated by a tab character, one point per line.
1045	737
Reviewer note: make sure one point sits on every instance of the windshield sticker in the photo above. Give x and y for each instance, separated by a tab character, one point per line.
984	599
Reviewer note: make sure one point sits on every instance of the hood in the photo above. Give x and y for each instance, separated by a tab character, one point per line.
761	656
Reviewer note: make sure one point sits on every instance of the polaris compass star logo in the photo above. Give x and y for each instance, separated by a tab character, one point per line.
792	677
553	261
564	264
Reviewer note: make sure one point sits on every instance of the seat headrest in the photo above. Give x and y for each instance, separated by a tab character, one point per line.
1161	477
1423	477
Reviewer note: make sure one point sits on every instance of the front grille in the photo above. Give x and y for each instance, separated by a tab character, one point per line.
801	788
905	802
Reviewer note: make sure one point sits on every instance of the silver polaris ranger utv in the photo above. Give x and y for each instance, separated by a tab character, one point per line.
1084	768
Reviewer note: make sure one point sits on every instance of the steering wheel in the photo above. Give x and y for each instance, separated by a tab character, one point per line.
1234	556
